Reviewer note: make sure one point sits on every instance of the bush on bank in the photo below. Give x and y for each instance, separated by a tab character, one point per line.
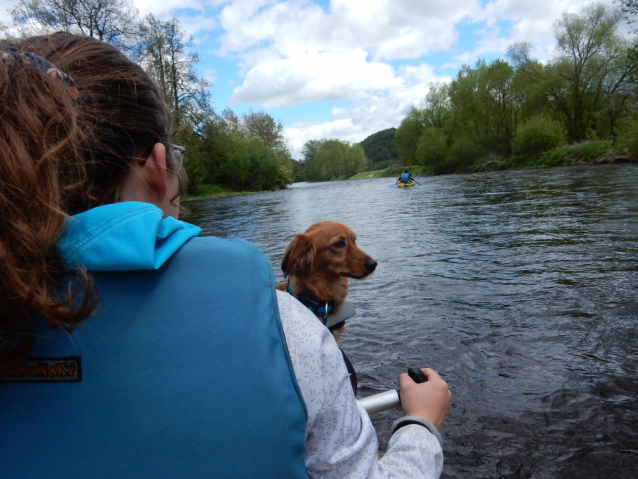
627	141
539	133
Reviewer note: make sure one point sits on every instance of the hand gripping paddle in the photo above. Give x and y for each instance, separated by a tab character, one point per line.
389	399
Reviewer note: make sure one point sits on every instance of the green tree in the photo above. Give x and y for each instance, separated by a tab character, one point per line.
432	147
628	139
407	136
354	160
311	167
331	157
537	134
166	59
264	126
485	105
237	160
591	73
436	105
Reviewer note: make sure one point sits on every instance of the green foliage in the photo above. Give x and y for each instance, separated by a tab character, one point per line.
225	153
587	151
583	153
407	136
539	133
284	177
627	141
588	84
486	104
355	160
588	90
331	159
380	146
393	172
432	147
437	105
464	150
264	126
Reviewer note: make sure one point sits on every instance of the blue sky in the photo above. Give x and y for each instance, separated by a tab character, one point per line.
347	68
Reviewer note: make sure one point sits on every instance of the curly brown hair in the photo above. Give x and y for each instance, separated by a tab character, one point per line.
60	157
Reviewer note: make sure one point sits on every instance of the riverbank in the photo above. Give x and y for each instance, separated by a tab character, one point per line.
590	153
209	192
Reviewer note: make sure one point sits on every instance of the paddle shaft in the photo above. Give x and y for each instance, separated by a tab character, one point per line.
389	399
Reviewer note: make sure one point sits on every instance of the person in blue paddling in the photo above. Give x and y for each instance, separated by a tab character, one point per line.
405	177
130	345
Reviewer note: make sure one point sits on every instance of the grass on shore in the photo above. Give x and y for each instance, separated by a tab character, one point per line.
393	172
588	153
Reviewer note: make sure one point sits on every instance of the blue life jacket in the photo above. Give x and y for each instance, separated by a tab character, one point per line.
405	177
184	366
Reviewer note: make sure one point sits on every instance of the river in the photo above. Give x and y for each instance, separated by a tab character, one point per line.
519	287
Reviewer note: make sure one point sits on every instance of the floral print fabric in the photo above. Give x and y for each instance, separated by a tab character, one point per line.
340	439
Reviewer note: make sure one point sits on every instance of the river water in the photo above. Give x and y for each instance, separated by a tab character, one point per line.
519	287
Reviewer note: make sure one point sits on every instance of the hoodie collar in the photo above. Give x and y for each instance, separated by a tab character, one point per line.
122	236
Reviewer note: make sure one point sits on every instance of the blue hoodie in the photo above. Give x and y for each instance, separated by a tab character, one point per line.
181	372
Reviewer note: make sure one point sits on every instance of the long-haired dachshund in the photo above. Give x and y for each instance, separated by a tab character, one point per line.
317	265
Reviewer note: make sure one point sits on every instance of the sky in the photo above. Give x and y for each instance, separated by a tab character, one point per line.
346	69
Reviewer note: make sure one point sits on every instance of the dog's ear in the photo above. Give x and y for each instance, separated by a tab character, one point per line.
299	257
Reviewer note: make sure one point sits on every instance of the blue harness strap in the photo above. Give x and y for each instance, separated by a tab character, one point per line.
319	308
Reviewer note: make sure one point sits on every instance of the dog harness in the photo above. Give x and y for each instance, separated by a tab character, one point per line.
319	308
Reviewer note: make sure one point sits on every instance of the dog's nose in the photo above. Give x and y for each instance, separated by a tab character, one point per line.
370	265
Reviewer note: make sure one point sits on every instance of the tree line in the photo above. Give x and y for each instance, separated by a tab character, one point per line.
587	91
329	159
240	153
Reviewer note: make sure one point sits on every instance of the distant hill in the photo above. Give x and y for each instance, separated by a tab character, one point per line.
379	147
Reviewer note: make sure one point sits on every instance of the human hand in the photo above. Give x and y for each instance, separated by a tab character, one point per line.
429	400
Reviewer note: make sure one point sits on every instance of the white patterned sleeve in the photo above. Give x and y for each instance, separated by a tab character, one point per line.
340	439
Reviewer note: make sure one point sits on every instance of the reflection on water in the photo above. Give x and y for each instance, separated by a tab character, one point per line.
520	288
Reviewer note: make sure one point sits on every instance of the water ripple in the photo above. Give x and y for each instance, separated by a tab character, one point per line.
519	287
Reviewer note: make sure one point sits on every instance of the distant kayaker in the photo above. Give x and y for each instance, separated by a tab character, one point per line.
131	347
405	177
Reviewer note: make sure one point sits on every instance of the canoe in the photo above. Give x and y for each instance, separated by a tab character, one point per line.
406	185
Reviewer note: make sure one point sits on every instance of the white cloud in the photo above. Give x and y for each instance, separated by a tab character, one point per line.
339	112
368	114
210	75
312	77
193	25
294	52
532	22
389	29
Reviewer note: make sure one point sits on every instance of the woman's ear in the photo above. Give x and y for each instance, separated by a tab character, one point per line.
299	257
154	170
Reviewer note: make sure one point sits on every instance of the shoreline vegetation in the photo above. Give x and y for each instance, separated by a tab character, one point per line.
587	153
579	107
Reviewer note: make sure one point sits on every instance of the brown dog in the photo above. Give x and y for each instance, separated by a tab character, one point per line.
318	263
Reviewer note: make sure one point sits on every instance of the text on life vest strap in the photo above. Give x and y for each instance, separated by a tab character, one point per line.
44	370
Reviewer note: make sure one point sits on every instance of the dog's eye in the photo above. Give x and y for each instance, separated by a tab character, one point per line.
339	244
